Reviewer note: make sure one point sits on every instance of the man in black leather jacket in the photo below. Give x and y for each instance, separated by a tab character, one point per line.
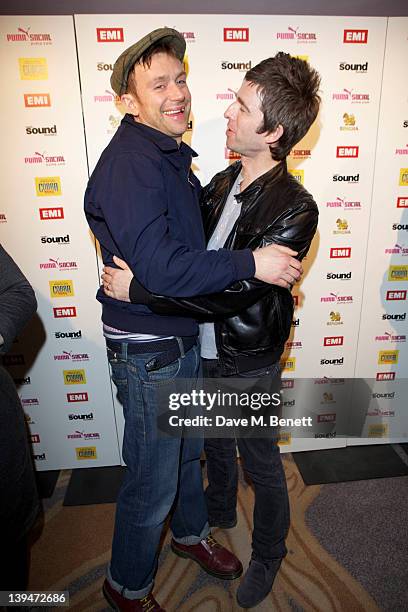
253	203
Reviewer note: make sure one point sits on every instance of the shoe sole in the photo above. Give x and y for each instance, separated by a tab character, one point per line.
109	599
184	555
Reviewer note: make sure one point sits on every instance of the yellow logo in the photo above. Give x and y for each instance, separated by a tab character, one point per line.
349	120
386	357
284	438
403	177
398	273
341	224
86	452
379	430
299	175
33	68
48	186
61	288
305	58
289	365
335	316
74	377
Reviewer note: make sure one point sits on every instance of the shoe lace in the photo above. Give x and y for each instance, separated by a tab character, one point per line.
148	603
211	541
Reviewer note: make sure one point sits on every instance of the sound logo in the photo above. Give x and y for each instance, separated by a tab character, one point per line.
349	178
398	273
106	35
355	37
347	152
32	100
33	68
335	318
347	95
74	377
48	186
342	227
44	158
379	430
241	66
51	214
298	175
358	68
403	177
288	365
228	154
398	249
25	36
294	34
236	34
102	66
388	357
284	438
61	288
86	452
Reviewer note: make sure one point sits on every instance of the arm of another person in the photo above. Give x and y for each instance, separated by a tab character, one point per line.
17	301
295	230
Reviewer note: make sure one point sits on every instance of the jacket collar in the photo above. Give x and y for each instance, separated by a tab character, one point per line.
165	143
268	178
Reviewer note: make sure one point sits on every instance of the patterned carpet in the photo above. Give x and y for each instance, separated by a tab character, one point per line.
327	569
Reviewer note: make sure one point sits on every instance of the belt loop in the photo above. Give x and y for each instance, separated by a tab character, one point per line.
181	346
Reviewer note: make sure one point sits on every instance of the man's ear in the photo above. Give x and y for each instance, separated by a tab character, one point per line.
130	103
272	137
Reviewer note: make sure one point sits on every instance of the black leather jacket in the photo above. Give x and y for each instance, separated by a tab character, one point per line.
252	319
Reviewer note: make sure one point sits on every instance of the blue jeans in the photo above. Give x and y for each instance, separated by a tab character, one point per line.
161	472
262	463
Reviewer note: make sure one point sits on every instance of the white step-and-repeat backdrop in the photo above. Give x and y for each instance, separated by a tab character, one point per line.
351	305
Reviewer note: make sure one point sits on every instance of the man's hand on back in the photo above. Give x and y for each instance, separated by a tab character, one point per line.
276	264
116	281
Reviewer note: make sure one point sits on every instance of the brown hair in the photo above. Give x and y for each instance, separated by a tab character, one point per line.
160	46
288	89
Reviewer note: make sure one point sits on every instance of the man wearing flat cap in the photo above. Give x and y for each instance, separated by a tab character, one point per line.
142	205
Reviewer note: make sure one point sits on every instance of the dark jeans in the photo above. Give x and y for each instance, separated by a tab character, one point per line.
262	463
161	472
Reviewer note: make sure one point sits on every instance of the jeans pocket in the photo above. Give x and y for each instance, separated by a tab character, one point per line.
164	374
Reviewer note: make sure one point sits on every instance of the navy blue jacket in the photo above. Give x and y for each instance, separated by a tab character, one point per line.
142	204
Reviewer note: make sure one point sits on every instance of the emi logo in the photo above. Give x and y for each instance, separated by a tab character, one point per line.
47	214
355	37
40	99
396	295
333	341
61	313
385	376
236	34
340	253
347	152
402	203
109	35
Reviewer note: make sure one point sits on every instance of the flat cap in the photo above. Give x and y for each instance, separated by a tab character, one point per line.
129	57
